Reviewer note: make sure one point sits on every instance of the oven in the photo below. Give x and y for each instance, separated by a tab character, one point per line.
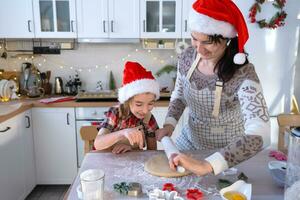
86	116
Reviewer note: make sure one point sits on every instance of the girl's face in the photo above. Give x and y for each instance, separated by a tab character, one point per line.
206	48
141	104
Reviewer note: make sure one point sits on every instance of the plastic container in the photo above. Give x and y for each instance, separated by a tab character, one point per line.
292	181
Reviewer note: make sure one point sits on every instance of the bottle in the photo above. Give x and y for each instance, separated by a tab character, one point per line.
292	178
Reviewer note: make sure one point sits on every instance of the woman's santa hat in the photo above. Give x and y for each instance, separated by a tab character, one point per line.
137	80
221	17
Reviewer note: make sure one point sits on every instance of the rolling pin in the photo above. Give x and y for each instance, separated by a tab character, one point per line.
170	149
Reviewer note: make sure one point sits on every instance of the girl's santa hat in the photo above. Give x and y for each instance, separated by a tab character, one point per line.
137	80
221	17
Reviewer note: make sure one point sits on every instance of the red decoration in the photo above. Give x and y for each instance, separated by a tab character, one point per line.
276	21
169	187
194	194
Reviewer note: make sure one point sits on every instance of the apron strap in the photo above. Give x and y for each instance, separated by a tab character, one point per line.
193	67
218	93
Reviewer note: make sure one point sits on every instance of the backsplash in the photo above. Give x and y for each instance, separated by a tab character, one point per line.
95	61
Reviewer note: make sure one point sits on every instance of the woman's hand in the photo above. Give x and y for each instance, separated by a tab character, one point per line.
121	148
167	130
198	167
134	136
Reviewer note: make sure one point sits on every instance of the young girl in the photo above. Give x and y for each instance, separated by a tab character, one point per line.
130	125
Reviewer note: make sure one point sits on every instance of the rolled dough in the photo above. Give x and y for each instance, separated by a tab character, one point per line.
158	165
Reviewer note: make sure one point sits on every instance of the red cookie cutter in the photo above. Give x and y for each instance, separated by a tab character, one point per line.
194	194
169	187
278	155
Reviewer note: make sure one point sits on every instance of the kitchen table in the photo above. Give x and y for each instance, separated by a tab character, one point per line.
129	167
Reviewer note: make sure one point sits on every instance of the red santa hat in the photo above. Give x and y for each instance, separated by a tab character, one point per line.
137	80
221	17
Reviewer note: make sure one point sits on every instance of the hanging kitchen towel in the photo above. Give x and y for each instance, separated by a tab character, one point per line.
56	100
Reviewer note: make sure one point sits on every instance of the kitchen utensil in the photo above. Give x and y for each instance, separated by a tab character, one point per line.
171	149
58	87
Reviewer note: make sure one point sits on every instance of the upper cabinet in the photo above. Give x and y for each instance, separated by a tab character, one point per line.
161	18
16	19
108	18
54	18
186	7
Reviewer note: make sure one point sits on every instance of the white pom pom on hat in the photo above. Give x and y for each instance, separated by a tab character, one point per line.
221	17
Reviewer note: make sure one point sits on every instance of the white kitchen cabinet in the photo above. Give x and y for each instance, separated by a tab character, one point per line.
160	114
186	8
17	170
160	18
16	19
55	145
28	151
108	19
54	18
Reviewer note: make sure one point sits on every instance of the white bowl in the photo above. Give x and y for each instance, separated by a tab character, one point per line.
278	171
239	186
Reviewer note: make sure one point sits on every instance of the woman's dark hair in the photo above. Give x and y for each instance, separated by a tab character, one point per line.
225	67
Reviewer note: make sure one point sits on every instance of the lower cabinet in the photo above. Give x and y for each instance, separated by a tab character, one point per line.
55	145
17	167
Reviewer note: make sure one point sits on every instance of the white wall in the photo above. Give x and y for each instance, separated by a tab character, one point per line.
87	56
273	53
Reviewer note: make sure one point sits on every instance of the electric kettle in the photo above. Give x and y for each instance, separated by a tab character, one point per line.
58	85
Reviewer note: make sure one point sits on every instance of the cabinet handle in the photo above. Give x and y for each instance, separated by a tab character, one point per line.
112	26
68	122
144	25
104	26
185	25
7	128
72	25
28	121
28	25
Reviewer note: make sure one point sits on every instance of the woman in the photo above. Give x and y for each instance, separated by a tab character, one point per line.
227	110
130	125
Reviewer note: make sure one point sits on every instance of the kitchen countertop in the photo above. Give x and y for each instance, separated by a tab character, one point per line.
28	103
256	168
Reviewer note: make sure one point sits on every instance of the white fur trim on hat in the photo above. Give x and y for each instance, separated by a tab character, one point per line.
239	58
210	26
138	87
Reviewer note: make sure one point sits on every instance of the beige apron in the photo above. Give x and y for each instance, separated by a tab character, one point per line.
203	130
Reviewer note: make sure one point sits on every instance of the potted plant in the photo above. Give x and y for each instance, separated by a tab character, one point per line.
161	44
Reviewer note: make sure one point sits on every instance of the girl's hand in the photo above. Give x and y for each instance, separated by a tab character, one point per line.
198	167
121	148
167	130
134	136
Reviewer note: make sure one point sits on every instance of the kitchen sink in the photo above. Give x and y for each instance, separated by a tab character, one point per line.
9	108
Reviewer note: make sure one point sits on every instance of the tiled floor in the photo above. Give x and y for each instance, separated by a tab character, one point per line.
48	192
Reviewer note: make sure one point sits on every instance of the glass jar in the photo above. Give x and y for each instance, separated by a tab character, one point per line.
292	179
92	184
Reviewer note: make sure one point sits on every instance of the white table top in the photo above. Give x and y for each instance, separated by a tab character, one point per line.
129	167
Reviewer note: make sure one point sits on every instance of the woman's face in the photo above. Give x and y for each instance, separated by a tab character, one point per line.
206	48
141	104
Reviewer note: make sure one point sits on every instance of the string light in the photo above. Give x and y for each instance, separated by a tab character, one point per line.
53	61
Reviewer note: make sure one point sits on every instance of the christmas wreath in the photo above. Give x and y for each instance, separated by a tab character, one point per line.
276	21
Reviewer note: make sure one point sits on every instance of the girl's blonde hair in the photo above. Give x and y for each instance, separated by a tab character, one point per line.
124	109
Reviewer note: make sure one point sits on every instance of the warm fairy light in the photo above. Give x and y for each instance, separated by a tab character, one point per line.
136	50
89	70
71	67
19	58
97	66
61	67
149	51
40	64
